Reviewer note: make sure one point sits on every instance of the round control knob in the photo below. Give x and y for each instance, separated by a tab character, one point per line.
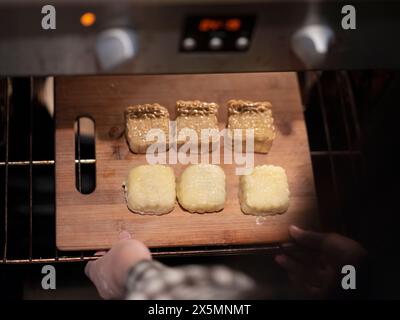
115	46
215	43
242	43
311	44
189	44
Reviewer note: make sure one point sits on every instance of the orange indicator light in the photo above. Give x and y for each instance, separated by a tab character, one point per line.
88	19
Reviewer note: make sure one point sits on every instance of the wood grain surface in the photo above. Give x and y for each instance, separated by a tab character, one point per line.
94	221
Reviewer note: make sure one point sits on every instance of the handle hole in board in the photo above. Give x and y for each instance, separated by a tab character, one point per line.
85	155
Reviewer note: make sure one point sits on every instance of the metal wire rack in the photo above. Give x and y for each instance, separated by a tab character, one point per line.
27	208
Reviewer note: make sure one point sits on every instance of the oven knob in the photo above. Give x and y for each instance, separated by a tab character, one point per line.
311	44
215	43
189	44
242	43
115	46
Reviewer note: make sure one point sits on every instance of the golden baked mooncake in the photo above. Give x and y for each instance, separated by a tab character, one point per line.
264	191
140	119
244	115
195	115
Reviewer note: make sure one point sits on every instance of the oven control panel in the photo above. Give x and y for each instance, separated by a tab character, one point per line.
217	33
193	36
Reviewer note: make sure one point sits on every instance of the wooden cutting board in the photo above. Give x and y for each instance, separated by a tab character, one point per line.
94	221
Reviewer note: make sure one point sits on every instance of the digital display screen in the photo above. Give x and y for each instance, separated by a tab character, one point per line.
230	25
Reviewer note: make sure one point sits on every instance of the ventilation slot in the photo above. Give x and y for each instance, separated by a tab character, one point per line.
85	155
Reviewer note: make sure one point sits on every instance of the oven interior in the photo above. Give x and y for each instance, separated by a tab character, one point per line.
351	119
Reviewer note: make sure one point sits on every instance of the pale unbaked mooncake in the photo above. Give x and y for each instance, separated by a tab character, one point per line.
244	115
150	189
264	191
201	188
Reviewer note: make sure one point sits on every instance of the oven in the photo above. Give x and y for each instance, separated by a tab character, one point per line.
347	81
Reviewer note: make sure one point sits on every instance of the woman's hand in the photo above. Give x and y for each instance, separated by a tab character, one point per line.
315	260
108	273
